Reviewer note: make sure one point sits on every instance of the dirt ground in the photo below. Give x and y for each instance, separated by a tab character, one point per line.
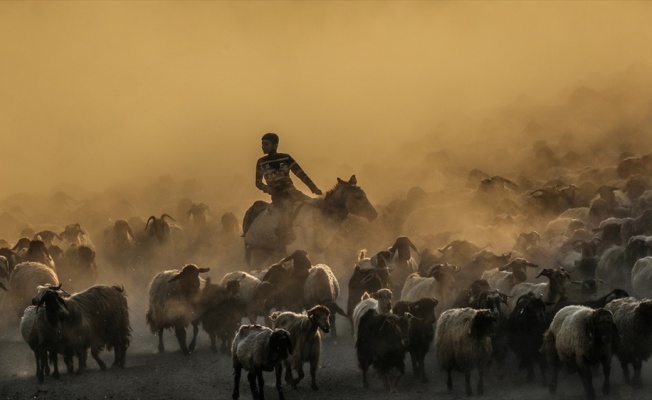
150	375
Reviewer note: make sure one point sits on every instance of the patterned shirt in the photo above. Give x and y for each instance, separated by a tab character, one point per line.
275	169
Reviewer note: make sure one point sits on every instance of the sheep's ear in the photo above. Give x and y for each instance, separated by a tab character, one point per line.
202	270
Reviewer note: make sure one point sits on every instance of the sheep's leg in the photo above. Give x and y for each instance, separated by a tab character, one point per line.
68	360
95	353
637	383
39	365
527	363
81	355
543	366
213	342
54	359
553	382
300	373
313	372
180	333
422	367
587	382
467	383
606	371
195	331
279	385
385	377
261	385
625	367
237	370
364	367
120	355
449	380
288	373
415	365
398	378
331	320
161	348
251	376
480	381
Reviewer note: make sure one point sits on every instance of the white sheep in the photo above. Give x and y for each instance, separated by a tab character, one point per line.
306	339
552	291
439	284
256	349
463	343
174	302
642	277
24	280
322	288
581	337
504	280
633	319
381	301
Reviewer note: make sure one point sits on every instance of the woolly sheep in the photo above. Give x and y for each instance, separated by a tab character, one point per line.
306	339
581	337
322	288
439	284
97	318
504	280
24	280
256	349
381	301
222	312
552	291
642	278
463	343
254	293
174	298
526	326
633	318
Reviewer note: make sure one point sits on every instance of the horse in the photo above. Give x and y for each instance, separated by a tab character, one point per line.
315	223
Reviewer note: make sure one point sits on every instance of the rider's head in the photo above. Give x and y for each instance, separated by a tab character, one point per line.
269	142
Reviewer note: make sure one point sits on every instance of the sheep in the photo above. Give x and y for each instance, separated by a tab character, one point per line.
381	342
73	234
634	321
581	337
38	252
366	277
440	284
288	283
505	281
77	268
466	297
526	326
222	311
381	301
552	291
41	329
492	301
174	298
306	339
258	296
98	317
24	280
322	287
256	349
642	277
401	262
421	332
463	343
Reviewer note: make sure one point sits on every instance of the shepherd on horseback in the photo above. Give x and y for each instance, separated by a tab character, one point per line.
275	169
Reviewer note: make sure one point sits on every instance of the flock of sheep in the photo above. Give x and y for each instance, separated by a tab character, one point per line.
571	288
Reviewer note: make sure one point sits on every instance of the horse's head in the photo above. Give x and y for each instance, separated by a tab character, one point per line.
349	196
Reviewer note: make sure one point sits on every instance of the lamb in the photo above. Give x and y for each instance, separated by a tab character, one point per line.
581	337
421	332
323	288
634	321
174	298
98	317
24	280
258	296
256	349
306	339
381	341
463	342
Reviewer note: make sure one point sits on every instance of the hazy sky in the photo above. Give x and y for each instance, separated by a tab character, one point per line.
100	92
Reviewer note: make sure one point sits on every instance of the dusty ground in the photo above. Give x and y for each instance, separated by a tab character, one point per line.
150	375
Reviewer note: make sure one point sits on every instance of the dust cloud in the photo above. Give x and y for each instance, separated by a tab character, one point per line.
135	105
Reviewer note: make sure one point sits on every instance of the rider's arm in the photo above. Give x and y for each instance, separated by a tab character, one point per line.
259	180
299	172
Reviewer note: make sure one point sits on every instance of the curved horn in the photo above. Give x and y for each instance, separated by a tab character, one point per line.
152	218
413	247
166	215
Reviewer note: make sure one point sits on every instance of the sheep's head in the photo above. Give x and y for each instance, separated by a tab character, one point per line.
384	298
280	346
189	278
602	326
300	261
482	324
424	309
56	309
319	315
403	246
645	311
